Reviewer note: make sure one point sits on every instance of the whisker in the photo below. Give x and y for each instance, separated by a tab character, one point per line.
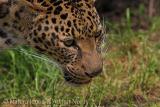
36	56
105	43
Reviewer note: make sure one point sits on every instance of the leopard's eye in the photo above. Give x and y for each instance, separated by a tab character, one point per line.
69	42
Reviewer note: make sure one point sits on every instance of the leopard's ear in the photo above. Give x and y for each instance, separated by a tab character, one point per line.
92	1
35	5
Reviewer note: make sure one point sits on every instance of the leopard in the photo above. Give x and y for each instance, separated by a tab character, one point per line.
69	32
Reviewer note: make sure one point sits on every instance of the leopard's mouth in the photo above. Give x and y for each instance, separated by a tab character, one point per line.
72	78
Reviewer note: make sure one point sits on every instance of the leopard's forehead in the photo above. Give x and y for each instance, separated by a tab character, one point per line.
71	18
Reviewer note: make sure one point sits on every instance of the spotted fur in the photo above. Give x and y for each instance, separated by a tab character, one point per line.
68	31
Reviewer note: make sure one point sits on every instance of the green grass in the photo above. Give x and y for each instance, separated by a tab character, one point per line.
131	76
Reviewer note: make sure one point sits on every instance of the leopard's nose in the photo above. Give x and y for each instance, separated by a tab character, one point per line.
93	73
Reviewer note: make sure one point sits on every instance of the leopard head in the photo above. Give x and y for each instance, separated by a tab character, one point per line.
71	33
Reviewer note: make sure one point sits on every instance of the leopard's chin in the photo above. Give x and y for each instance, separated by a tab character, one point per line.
76	80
